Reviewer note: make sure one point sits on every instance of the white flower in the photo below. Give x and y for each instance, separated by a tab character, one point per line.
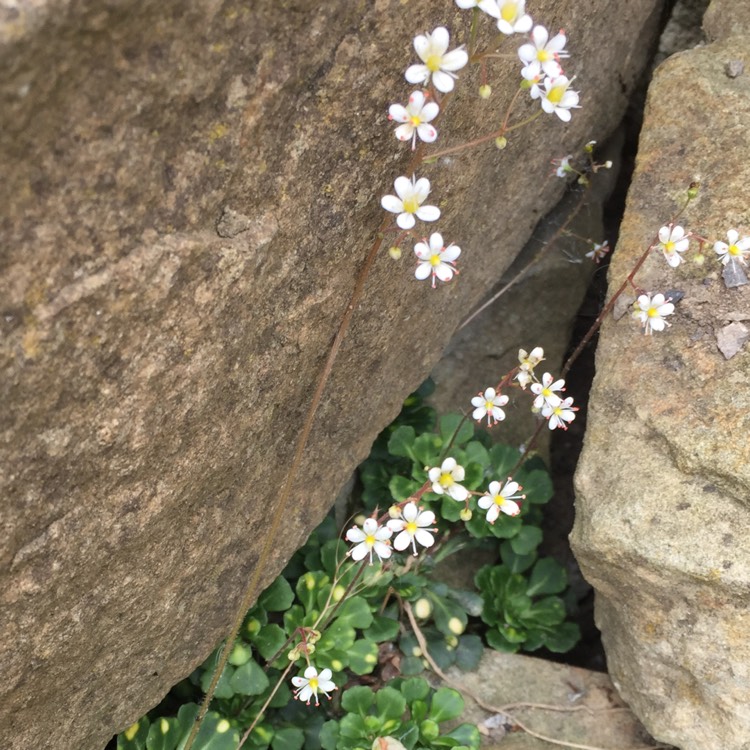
415	117
556	97
435	259
561	414
513	17
370	537
528	362
545	392
599	252
488	6
411	195
650	312
564	168
312	681
543	55
488	405
737	249
672	241
412	527
438	62
501	500
445	480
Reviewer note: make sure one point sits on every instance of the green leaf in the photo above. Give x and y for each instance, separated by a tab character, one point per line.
223	687
402	488
338	636
269	640
401	441
382	629
308	586
363	656
426	450
503	458
411	665
450	617
278	597
455	430
563	638
469	652
164	734
288	738
241	653
476	453
516	563
469	601
355	611
294	618
216	733
415	689
548	611
537	485
467	735
249	679
134	737
497	639
506	527
357	700
329	735
527	540
429	731
419	710
547	577
390	703
409	736
446	704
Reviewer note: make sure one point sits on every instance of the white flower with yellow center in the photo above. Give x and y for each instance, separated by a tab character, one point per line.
488	405
370	538
513	18
672	242
311	682
445	480
438	64
498	500
650	312
436	260
412	526
488	6
543	54
735	249
415	117
527	364
407	203
546	392
560	415
556	96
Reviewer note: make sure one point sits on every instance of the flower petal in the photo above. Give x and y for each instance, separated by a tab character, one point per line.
440	39
392	203
425	213
405	221
454	60
417	74
403	187
443	82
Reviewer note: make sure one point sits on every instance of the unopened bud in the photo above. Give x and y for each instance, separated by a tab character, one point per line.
693	190
422	608
394	252
699	259
294	654
501	142
313	636
589	147
465	514
583	180
485	91
394	511
608	164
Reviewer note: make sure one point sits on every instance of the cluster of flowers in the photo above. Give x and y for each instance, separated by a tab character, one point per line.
436	74
557	411
651	310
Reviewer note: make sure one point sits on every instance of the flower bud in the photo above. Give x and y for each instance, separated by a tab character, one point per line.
423	608
608	164
485	91
294	654
456	626
394	511
394	252
313	636
693	190
501	142
465	514
589	147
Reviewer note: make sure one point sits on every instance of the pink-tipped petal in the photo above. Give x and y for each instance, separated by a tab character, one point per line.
398	113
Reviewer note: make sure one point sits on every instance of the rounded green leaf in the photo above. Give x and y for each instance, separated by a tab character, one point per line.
288	738
249	679
455	429
527	540
469	652
278	597
241	653
134	737
382	629
363	656
164	734
269	640
401	441
390	703
415	688
429	730
547	577
446	704
355	611
329	735
357	699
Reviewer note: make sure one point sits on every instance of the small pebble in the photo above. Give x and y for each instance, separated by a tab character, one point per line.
734	68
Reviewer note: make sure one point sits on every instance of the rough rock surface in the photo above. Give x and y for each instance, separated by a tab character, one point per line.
188	191
589	711
664	481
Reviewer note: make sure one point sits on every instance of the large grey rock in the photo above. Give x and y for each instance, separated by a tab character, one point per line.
664	480
188	193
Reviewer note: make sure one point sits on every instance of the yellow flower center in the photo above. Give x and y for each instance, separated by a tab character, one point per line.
313	683
652	312
433	62
411	527
489	405
556	94
542	55
369	541
446	479
499	500
415	120
508	12
546	392
669	246
734	250
411	205
435	260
